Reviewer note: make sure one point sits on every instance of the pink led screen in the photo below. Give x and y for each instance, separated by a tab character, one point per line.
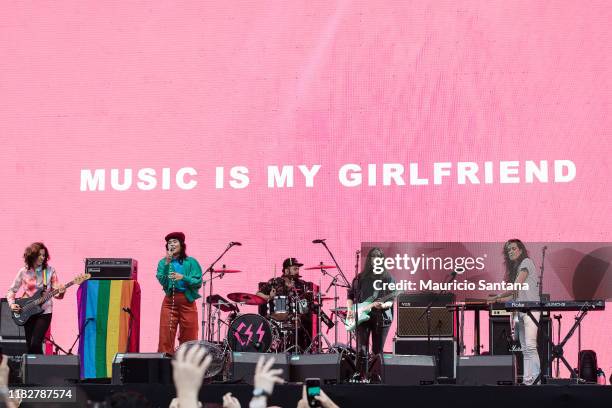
407	121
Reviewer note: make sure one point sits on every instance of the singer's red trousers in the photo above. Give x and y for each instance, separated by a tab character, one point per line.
182	313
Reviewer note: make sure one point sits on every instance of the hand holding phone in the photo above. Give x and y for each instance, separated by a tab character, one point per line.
313	389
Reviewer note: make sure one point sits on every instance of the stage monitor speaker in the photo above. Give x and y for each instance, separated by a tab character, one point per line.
112	268
444	349
8	328
141	368
408	370
243	365
330	368
38	369
485	370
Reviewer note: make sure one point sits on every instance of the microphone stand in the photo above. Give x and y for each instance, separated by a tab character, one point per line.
204	315
346	283
357	299
57	347
427	312
89	319
129	337
542	274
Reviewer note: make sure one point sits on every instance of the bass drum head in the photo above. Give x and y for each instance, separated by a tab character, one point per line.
250	333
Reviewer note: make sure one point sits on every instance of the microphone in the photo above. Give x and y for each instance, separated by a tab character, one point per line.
318	241
235	243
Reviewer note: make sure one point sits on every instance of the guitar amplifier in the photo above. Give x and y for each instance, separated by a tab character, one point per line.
112	268
8	328
412	315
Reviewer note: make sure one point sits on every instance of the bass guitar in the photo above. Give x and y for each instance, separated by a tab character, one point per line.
363	311
32	305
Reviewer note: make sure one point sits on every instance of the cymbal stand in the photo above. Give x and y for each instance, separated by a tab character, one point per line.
320	334
335	284
205	329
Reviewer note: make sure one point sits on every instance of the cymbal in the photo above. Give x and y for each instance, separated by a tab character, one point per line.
311	268
226	270
246	298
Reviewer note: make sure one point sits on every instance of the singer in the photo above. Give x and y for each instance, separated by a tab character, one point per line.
36	274
181	277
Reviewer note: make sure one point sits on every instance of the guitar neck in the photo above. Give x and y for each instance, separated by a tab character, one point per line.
54	292
386	297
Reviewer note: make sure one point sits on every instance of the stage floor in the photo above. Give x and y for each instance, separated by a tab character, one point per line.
354	395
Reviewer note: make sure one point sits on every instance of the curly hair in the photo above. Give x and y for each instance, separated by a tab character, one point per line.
30	255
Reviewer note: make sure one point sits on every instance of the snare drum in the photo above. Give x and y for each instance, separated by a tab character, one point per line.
251	333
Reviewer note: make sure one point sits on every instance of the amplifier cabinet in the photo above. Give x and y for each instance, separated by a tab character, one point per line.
112	268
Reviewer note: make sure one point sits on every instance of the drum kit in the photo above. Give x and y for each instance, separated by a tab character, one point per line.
282	329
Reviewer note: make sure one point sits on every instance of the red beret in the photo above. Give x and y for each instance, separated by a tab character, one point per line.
176	235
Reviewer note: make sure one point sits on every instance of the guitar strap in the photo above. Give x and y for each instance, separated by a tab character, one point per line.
43	276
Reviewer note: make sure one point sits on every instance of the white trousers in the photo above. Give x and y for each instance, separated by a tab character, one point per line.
526	330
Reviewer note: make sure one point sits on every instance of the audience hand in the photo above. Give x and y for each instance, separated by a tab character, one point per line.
229	401
188	369
266	377
323	399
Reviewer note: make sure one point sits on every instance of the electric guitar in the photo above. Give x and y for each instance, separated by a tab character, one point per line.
31	306
363	311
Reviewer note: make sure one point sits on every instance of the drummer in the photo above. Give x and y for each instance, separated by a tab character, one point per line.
289	283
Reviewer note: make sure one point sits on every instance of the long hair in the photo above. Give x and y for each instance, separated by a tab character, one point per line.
368	269
512	266
31	254
182	253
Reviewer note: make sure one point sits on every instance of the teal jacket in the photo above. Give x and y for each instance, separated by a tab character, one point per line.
192	276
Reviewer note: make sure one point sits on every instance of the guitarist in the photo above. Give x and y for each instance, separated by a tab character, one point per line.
36	274
381	316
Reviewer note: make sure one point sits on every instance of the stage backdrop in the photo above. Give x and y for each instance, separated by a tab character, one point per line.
407	121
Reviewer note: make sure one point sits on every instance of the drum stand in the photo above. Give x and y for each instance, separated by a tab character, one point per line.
215	317
296	348
320	334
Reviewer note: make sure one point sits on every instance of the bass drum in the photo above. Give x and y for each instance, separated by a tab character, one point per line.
251	333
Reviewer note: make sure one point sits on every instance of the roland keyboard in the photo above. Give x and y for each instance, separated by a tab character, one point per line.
557	305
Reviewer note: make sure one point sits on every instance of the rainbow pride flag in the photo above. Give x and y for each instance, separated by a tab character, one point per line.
104	325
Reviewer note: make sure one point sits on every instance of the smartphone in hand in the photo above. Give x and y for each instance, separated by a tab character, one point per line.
313	389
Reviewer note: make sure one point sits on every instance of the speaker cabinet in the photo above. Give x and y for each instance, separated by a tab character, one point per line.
412	315
485	370
38	369
330	368
408	370
13	347
141	368
243	365
500	341
500	335
442	349
8	328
